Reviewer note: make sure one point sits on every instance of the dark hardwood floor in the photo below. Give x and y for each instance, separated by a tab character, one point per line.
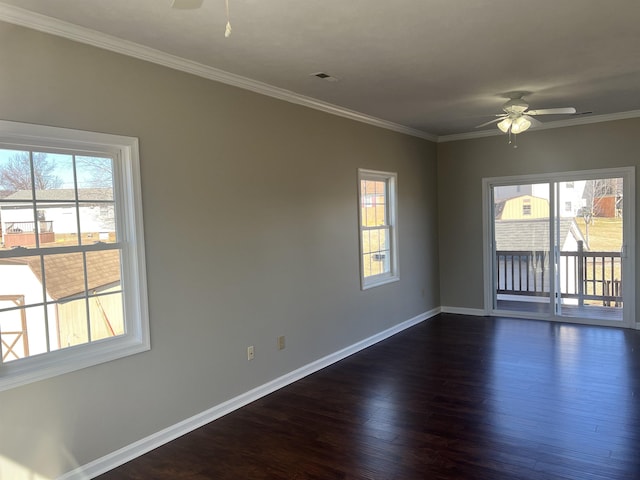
453	398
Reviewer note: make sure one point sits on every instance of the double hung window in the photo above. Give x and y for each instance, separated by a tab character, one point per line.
72	272
378	227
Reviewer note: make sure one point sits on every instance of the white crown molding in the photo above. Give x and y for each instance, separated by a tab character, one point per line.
43	23
545	126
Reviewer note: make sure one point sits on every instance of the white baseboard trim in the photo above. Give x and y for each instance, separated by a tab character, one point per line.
136	449
476	312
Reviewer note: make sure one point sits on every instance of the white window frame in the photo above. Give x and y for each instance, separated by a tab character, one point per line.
128	200
391	182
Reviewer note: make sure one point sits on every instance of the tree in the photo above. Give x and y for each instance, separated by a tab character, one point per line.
594	193
99	170
15	174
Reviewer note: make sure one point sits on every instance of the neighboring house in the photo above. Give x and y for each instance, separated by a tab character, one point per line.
57	215
3	194
570	196
522	207
530	265
608	206
66	320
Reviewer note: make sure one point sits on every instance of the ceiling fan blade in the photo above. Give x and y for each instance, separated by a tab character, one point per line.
186	4
534	122
552	111
495	120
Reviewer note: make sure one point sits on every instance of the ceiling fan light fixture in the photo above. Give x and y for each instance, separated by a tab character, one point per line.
519	125
505	125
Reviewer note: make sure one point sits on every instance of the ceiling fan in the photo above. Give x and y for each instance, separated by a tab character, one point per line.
194	4
518	118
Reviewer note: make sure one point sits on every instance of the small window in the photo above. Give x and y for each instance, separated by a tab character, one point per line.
526	209
568	207
72	247
378	228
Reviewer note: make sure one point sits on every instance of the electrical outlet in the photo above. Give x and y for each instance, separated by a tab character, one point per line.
250	353
281	342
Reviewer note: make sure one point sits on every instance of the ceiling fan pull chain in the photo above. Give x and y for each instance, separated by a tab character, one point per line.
227	30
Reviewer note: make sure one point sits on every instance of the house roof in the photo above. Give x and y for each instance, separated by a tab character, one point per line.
66	194
532	235
6	193
65	274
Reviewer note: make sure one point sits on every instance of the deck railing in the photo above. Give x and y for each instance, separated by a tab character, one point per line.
584	276
28	227
22	234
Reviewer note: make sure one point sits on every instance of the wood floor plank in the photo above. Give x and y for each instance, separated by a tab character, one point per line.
455	397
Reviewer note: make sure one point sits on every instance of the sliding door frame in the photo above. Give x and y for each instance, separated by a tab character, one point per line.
628	219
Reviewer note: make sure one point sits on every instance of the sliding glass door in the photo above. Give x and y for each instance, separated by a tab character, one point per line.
560	247
522	247
590	241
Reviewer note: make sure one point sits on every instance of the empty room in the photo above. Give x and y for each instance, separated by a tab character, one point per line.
319	240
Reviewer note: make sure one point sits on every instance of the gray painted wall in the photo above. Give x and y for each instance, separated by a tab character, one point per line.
250	213
463	164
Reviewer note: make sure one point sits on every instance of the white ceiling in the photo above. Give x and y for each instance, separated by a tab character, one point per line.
434	68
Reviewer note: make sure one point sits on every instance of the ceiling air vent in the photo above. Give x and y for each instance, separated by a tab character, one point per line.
324	76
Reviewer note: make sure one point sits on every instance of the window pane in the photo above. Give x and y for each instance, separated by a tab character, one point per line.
374	241
72	322
366	241
107	319
103	271
18	225
15	174
95	177
20	282
522	249
370	217
373	203
97	222
591	264
366	265
381	213
53	175
13	335
106	311
376	253
22	333
64	276
63	221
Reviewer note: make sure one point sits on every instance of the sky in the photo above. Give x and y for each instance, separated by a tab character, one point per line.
90	170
